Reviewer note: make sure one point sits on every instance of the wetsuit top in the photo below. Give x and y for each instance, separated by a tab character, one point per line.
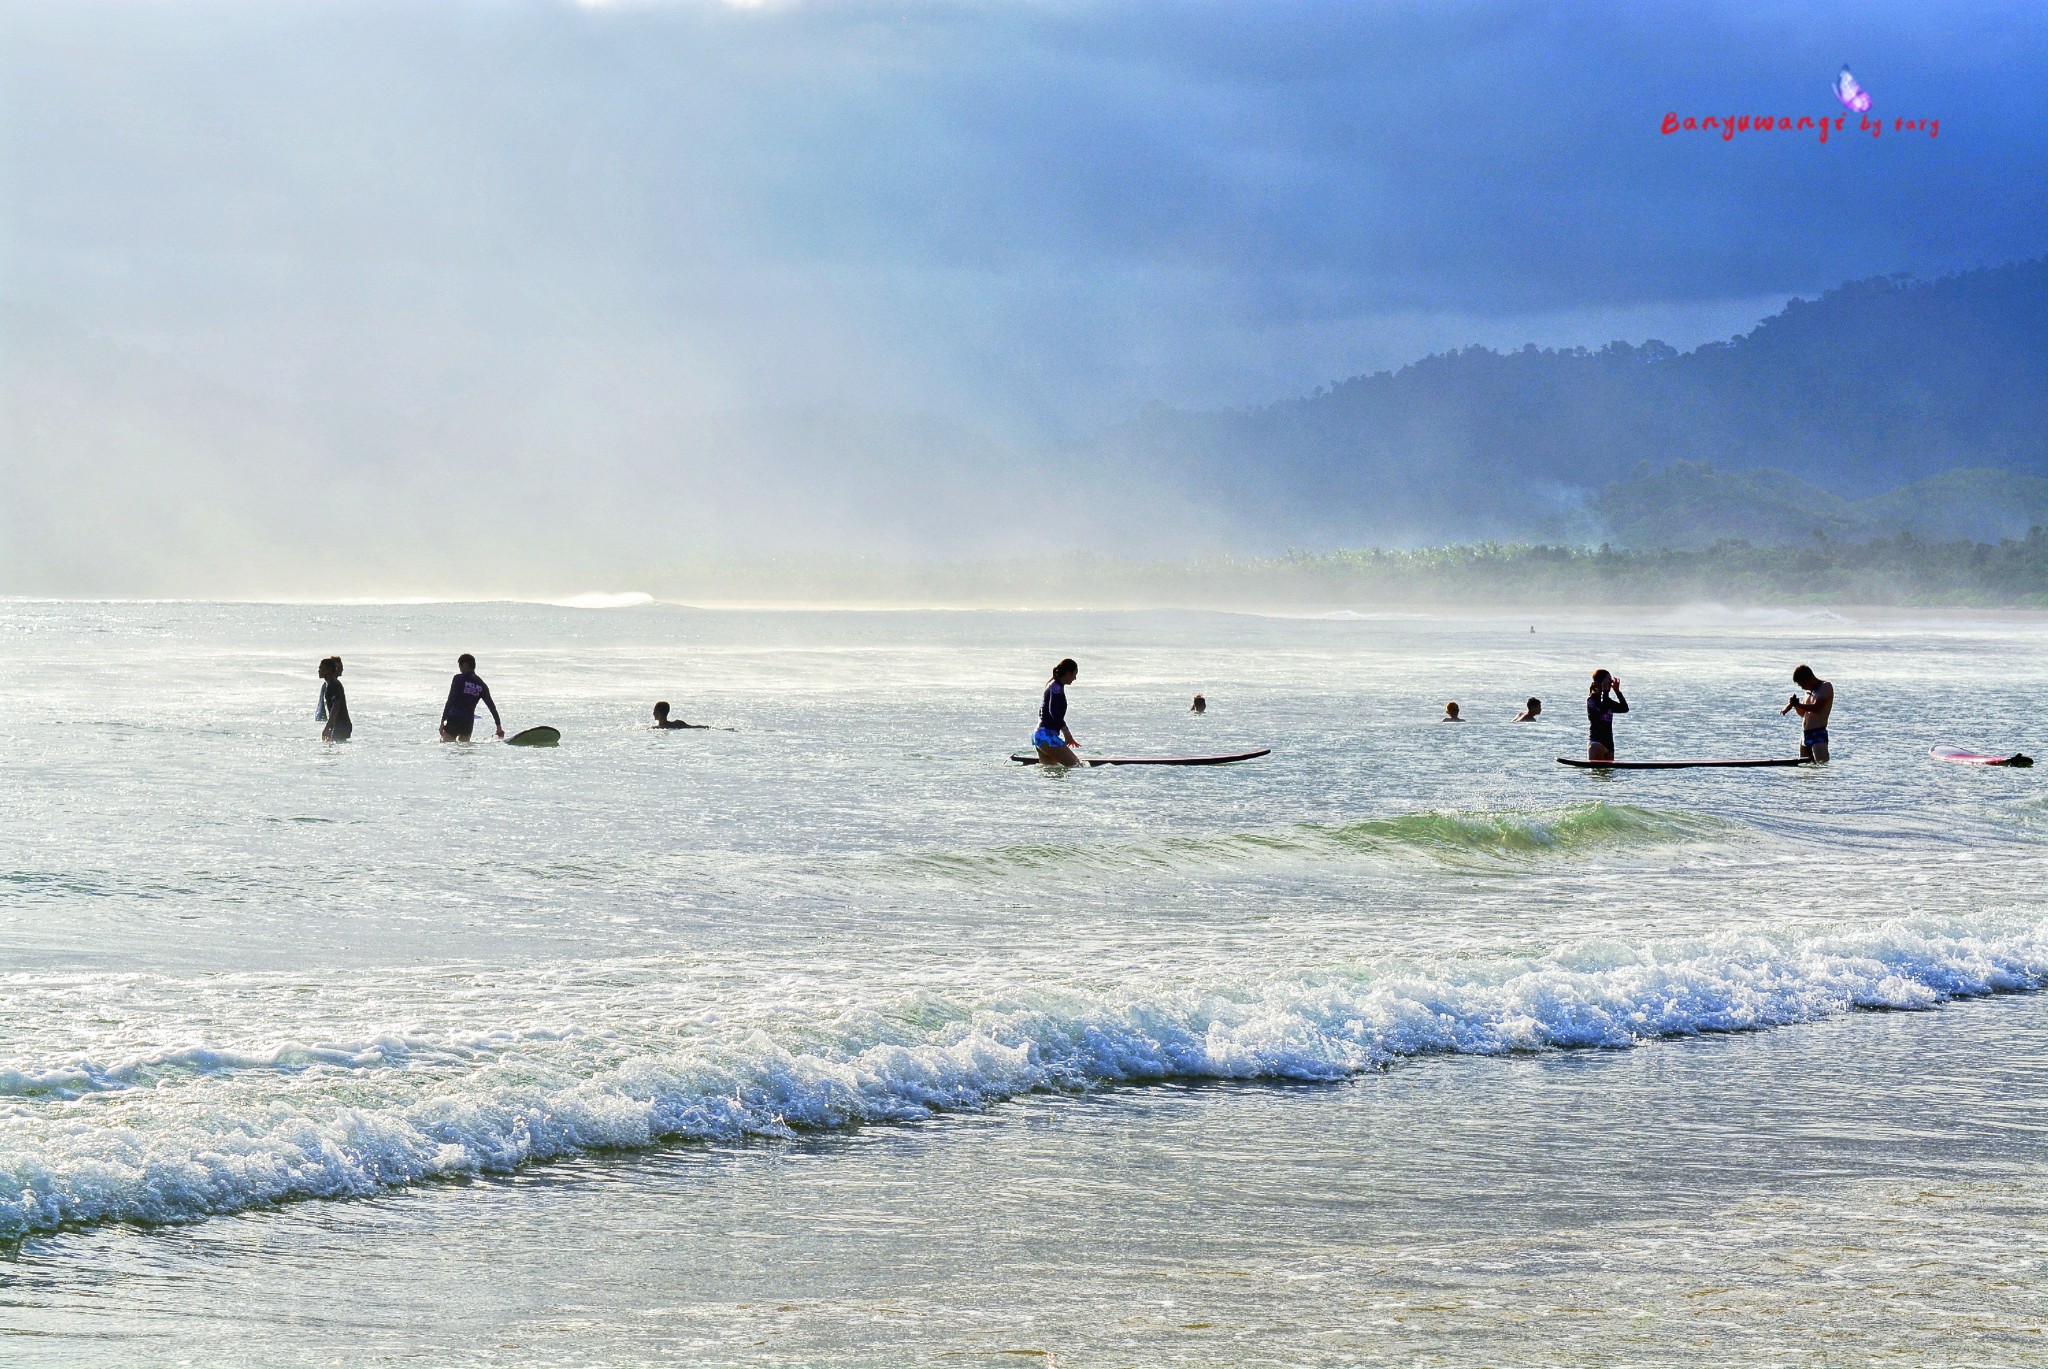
334	706
465	691
1600	711
1052	714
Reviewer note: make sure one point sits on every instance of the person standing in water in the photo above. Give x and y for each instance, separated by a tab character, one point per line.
465	692
1534	710
1604	699
333	708
1813	713
1200	705
1054	739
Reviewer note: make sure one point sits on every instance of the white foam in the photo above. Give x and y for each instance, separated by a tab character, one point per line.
216	1151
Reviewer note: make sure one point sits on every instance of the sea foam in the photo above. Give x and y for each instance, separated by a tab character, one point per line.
221	1146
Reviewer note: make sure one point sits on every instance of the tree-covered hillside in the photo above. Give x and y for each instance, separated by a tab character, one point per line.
1874	385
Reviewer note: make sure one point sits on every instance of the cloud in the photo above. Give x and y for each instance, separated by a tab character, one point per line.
531	227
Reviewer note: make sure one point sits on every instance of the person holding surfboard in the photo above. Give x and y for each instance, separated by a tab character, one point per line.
1604	699
1813	713
465	692
1054	739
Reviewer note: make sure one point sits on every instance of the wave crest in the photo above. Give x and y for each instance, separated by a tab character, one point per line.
60	1168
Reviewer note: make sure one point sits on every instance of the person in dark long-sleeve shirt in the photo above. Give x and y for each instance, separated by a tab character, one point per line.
465	692
1054	739
1603	700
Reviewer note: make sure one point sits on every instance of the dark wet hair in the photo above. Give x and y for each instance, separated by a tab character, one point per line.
1803	674
1451	708
1067	663
326	671
661	709
1535	704
466	661
1601	679
337	665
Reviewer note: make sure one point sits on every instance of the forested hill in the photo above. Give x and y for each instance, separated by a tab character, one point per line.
1875	384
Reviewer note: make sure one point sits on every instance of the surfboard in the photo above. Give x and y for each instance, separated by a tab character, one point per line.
1680	765
535	736
1031	758
1962	757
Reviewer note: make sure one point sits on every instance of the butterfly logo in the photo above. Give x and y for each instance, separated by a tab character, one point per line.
1854	98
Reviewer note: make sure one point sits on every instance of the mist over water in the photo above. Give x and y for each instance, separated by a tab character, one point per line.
528	299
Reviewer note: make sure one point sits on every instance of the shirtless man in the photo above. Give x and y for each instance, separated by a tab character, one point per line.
1813	713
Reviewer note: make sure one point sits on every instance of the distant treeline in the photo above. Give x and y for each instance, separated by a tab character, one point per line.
1898	571
1877	384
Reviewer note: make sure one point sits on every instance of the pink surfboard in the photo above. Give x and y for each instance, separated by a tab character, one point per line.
1962	757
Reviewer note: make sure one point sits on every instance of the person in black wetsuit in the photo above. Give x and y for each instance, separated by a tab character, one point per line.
1603	700
333	708
664	723
465	692
1054	739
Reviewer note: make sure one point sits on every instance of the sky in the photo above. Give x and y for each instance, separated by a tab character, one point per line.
280	271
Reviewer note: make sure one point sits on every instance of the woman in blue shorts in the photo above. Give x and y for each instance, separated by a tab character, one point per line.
1054	739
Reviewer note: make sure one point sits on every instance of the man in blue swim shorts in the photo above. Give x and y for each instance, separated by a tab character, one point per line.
1813	713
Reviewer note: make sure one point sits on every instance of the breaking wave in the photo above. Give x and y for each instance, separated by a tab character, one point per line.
132	1149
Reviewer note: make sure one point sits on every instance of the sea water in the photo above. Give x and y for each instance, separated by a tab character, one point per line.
829	1034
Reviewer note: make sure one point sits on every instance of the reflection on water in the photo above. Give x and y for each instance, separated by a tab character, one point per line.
244	967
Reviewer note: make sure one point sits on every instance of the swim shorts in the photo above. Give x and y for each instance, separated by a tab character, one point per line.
1042	737
457	732
1816	738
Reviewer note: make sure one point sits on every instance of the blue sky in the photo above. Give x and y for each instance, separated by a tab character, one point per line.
1013	208
407	252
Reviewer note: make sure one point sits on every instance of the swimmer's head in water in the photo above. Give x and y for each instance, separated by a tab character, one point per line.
1066	671
1200	705
1535	707
661	712
1451	709
465	662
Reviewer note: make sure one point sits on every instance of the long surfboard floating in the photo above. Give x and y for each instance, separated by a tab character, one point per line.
536	736
1031	758
1680	765
1962	757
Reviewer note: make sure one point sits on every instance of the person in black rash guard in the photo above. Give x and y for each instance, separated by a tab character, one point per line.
465	692
1054	739
333	708
1601	706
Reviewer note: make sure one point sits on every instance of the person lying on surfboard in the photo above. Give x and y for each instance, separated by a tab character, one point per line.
664	723
465	692
1054	739
1813	713
1533	711
1604	699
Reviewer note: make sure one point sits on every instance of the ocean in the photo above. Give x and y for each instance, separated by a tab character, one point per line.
829	1035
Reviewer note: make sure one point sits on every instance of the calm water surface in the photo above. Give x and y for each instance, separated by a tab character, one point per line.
832	1036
